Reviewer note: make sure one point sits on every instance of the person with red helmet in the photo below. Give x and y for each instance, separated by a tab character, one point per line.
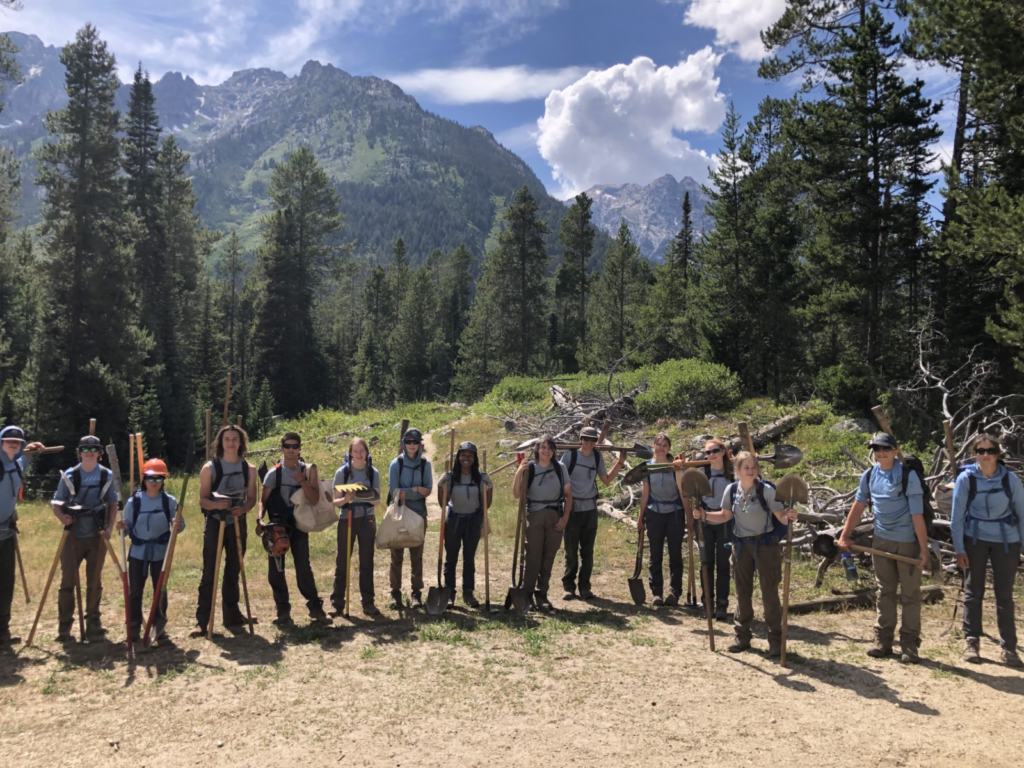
148	517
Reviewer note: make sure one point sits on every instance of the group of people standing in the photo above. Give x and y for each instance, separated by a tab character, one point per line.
741	524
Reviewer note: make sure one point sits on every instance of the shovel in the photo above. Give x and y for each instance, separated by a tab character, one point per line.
696	485
636	584
783	456
825	546
642	451
437	597
516	597
794	489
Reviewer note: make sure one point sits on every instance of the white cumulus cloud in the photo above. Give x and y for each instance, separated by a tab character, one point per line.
473	85
737	23
619	125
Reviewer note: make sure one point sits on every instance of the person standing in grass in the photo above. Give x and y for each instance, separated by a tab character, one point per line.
988	526
663	517
148	517
411	477
464	488
358	468
717	536
13	463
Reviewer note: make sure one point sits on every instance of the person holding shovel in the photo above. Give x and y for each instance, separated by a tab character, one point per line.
279	484
411	477
148	517
358	468
664	518
899	529
464	488
227	490
988	525
584	467
87	501
759	524
548	501
717	536
13	464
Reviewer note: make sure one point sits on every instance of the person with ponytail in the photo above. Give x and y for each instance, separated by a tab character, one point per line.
717	536
358	468
663	516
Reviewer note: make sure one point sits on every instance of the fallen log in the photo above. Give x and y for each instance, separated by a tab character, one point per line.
767	434
862	598
606	509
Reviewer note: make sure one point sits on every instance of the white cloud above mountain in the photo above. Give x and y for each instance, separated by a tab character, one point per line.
621	124
474	85
737	23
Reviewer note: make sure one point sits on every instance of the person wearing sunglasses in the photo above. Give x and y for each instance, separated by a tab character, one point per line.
148	517
85	502
988	526
13	463
279	485
717	536
899	528
663	516
411	477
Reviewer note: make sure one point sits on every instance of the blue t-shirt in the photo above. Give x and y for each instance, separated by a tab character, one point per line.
892	509
9	490
150	523
88	492
415	472
990	503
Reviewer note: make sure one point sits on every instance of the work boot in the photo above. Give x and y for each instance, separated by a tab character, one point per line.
136	633
318	616
739	645
94	630
468	599
284	619
586	594
235	618
908	649
451	601
722	613
570	594
543	603
883	645
417	601
972	651
396	597
774	649
658	600
369	609
672	599
1010	658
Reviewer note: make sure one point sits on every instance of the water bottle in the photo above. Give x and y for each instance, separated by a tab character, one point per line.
850	566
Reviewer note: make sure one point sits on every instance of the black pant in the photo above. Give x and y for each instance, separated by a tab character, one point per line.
364	535
1004	573
304	580
662	527
229	591
716	553
462	531
138	570
7	581
580	535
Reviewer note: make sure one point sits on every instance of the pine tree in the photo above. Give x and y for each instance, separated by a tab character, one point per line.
372	384
481	363
411	339
456	291
261	422
140	148
233	276
572	280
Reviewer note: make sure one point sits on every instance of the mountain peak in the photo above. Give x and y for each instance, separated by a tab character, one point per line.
258	76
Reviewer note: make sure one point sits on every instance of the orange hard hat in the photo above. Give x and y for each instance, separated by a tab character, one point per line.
155	467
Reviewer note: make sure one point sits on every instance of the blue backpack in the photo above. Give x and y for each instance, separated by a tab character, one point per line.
163	538
1010	518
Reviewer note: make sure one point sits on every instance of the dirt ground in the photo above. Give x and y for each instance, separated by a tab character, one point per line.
605	683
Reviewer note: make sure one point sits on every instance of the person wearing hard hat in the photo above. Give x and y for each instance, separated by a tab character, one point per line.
86	503
464	489
13	464
148	517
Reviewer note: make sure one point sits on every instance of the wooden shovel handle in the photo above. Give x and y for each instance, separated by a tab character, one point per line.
880	553
883	422
950	445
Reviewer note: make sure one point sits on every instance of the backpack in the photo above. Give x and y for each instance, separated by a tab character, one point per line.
531	473
401	468
778	528
573	455
913	464
165	537
218	473
346	471
21	477
1010	516
278	505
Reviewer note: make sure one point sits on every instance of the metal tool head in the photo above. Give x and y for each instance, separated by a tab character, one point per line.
637	591
792	489
527	444
437	600
825	545
695	483
642	451
516	600
784	456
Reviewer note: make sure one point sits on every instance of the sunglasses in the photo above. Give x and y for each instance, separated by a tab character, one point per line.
411	442
89	449
588	439
881	448
989	451
154	479
712	451
291	446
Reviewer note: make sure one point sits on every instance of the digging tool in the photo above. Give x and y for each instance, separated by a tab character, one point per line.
44	449
883	422
504	466
49	581
516	597
241	570
401	436
209	428
140	457
115	467
131	462
642	451
227	400
216	578
78	588
348	564
745	438
793	489
956	603
636	583
783	457
950	446
437	597
92	426
695	484
21	567
691	581
487	555
165	569
825	546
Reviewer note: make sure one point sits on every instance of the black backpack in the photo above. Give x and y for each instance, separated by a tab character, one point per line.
277	506
913	464
778	528
218	473
531	473
164	538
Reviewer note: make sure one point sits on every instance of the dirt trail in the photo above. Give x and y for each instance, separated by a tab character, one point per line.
431	450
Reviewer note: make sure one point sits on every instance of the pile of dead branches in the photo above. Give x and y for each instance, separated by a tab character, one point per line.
568	414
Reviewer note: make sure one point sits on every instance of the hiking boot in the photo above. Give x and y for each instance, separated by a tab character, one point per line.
6	639
236	619
396	597
543	603
972	653
721	615
93	629
882	647
318	616
1010	658
417	601
451	601
570	594
774	649
657	600
908	649
672	599
468	599
369	609
586	594
284	619
738	646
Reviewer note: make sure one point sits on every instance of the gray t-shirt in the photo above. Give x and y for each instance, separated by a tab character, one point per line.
663	496
289	482
584	478
464	498
719	482
359	509
751	520
232	484
545	490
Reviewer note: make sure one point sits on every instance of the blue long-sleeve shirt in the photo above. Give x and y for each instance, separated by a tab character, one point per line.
893	511
10	487
989	504
415	472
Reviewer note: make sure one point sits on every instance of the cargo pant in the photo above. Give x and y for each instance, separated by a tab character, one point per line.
1004	573
304	579
7	582
229	564
93	551
542	542
580	535
364	534
769	572
462	532
890	574
662	527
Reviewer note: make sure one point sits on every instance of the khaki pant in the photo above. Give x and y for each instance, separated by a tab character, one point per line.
416	563
888	575
769	572
94	552
542	543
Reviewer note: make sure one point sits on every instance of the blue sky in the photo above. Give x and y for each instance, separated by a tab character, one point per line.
586	91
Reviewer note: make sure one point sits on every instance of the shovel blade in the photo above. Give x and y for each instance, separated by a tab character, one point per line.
516	600
695	483
786	456
637	591
637	474
642	451
437	600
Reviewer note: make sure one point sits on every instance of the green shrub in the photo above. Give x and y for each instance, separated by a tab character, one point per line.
518	389
686	388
